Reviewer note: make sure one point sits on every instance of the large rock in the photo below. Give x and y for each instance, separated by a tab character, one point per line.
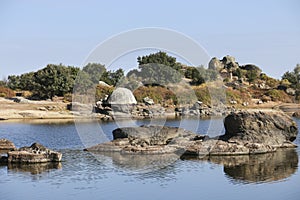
150	135
36	153
6	145
229	62
215	64
122	96
273	128
122	100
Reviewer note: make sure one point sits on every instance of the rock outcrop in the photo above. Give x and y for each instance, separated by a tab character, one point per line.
121	100
6	145
36	153
269	127
147	140
247	132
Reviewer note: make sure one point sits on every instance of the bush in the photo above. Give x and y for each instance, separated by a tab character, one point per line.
101	91
278	95
6	92
159	94
240	95
203	94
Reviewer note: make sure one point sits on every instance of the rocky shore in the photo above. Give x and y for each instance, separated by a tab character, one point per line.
23	109
247	132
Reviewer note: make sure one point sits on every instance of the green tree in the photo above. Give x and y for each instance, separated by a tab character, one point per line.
293	77
54	80
14	82
113	77
200	75
157	69
160	58
95	71
251	75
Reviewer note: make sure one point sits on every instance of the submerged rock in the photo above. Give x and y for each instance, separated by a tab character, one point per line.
36	153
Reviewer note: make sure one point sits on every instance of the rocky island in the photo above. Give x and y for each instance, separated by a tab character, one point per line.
36	153
247	132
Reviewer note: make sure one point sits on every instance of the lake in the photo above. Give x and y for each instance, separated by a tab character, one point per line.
83	175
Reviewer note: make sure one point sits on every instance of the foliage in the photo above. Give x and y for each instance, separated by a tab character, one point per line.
157	69
240	95
200	75
252	75
278	95
47	82
6	92
113	77
203	94
95	71
156	74
271	82
293	78
54	80
102	91
159	58
159	94
240	73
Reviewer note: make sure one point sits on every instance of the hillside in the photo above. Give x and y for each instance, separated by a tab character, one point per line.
168	85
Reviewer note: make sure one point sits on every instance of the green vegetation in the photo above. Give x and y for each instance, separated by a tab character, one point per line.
157	69
200	75
293	80
59	80
160	58
159	76
159	94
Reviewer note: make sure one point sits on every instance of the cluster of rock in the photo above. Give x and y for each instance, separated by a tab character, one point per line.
122	104
201	110
36	153
247	132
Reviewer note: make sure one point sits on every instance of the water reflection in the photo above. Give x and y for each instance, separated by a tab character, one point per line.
259	168
34	168
137	163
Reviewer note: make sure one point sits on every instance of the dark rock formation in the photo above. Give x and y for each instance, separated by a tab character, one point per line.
36	153
272	128
296	114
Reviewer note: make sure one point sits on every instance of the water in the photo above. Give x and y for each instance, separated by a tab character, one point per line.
82	175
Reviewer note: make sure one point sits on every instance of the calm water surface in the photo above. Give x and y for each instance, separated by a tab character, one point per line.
82	175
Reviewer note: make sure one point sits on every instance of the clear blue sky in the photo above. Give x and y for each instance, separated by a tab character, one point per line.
35	33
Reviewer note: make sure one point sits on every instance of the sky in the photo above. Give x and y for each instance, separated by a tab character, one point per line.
34	33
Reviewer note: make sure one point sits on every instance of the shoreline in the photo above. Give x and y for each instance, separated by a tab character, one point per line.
57	111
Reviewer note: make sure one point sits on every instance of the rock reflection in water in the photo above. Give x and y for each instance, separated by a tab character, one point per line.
138	163
259	168
34	168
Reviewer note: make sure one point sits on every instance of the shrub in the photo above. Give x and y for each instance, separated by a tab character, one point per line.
203	95
6	92
101	91
159	94
278	95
